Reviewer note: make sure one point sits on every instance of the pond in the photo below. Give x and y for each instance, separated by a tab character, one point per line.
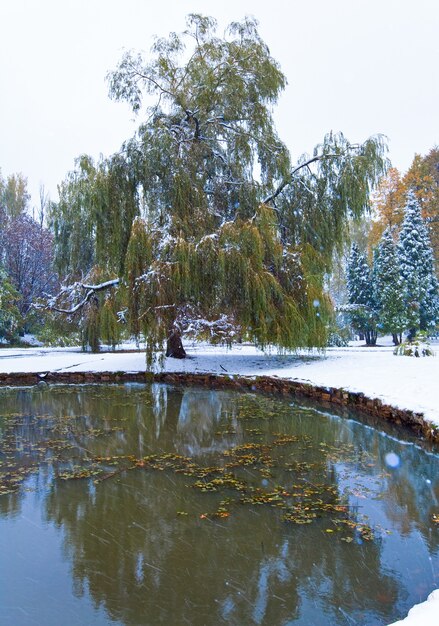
153	504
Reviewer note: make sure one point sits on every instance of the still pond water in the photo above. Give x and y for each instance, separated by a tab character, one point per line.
137	504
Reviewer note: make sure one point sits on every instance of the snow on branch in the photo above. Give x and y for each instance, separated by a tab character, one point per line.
91	290
101	286
192	324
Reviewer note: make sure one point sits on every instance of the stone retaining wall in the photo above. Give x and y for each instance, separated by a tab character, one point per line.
325	395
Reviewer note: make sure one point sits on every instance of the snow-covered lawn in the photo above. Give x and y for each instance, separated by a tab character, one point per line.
405	382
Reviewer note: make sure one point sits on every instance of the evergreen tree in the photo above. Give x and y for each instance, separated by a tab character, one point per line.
388	285
423	179
417	269
201	217
361	295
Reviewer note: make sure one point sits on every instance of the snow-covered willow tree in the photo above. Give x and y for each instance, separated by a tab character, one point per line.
201	221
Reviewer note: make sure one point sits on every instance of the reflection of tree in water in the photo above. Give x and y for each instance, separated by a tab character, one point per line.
142	415
10	504
199	418
146	564
408	488
139	559
412	495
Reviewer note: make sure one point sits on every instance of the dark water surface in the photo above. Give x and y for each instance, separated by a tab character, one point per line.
132	504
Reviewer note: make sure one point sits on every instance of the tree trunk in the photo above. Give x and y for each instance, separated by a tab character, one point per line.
412	334
371	337
395	339
174	346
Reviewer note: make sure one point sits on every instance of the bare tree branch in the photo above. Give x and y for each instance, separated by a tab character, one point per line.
306	164
288	180
91	290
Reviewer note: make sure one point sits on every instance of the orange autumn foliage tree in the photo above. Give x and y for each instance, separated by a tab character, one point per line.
390	197
423	179
388	203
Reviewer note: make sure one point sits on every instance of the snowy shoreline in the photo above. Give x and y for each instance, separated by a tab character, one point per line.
403	382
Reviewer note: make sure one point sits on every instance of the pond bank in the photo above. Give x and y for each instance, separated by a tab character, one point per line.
327	396
400	382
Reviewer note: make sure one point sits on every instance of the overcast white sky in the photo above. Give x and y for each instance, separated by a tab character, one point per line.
359	66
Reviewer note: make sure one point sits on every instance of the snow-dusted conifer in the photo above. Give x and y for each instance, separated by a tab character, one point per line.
388	285
361	295
417	269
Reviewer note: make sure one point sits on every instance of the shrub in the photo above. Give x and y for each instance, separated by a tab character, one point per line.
417	347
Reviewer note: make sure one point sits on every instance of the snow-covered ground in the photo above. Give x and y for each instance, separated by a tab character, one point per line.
405	382
424	614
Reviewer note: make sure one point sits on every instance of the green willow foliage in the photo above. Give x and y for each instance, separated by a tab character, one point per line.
201	214
243	271
92	221
10	319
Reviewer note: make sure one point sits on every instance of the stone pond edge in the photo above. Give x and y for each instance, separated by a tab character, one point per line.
327	396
